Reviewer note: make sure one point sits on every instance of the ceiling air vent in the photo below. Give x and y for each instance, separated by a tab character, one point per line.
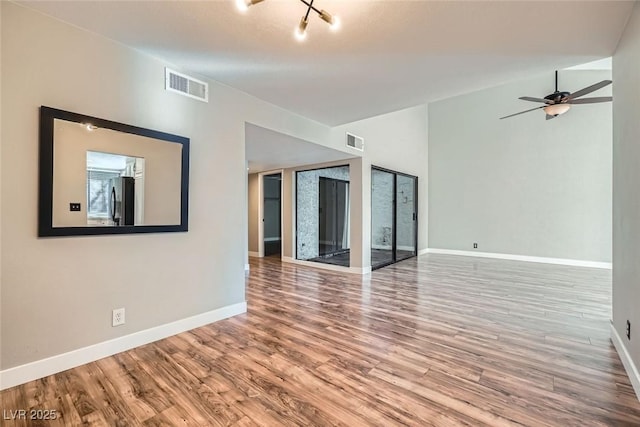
186	85
354	141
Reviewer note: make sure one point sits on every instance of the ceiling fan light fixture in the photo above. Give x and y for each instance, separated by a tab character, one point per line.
301	31
560	102
556	109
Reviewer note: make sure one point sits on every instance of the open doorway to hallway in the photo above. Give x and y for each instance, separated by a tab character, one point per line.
272	214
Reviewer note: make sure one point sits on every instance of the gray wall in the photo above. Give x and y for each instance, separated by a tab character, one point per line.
307	208
626	179
160	278
522	185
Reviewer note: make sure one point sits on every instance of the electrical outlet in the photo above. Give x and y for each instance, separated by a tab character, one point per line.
117	317
475	246
628	330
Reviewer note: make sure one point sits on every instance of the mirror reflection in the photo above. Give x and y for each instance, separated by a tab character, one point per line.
106	178
115	189
98	176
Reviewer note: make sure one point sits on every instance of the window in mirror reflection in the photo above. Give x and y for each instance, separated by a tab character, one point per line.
115	189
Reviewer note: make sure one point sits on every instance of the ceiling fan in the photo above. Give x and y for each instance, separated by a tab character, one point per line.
560	102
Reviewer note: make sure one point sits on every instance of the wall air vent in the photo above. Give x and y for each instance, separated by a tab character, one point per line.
354	141
186	85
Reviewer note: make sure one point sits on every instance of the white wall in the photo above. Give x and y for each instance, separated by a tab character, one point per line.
58	293
522	185
626	194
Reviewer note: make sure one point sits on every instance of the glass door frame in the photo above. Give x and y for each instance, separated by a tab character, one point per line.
346	183
394	243
295	212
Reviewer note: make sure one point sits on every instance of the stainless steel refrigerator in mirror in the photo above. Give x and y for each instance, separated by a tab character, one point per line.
122	200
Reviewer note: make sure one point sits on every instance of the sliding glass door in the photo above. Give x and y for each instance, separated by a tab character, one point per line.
322	215
333	213
406	216
382	212
394	216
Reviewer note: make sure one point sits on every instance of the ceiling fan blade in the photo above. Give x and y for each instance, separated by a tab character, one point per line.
550	116
591	100
522	112
589	89
529	98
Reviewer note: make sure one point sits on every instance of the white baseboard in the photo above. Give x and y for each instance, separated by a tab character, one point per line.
247	267
423	251
61	362
625	357
561	261
254	254
353	270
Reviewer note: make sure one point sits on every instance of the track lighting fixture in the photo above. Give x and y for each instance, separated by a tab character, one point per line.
333	21
301	30
243	5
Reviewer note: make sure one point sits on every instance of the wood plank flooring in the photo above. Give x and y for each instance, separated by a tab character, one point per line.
440	340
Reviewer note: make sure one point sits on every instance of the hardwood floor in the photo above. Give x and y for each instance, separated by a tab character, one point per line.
439	340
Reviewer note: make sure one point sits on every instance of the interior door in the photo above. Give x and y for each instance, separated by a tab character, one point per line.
272	215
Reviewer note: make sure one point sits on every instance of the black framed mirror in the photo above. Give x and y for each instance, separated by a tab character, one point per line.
103	177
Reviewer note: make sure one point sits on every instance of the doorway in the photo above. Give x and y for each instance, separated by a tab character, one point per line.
394	216
272	214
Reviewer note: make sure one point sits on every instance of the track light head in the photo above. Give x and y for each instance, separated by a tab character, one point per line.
243	5
332	20
301	31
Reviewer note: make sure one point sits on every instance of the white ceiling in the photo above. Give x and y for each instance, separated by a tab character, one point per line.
267	150
387	56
